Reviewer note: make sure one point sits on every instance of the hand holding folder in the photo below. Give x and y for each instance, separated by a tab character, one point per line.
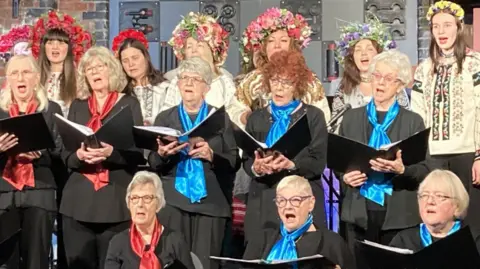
290	144
346	155
146	136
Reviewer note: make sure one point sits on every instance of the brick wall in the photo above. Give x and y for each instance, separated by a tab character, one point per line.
423	30
92	14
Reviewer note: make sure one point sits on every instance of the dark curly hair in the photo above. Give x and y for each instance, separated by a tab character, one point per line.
289	65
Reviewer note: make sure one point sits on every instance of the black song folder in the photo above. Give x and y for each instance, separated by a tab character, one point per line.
457	250
346	155
9	232
146	136
31	130
316	261
115	131
290	144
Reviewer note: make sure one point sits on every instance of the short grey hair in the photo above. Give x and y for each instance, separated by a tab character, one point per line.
398	61
452	186
199	66
295	182
144	178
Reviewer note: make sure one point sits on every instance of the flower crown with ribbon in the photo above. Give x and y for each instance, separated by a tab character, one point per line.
202	28
445	7
273	19
80	39
373	29
16	35
128	34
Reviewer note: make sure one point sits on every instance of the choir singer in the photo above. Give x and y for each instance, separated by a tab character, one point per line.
298	236
27	178
443	203
195	174
93	198
286	76
147	244
379	204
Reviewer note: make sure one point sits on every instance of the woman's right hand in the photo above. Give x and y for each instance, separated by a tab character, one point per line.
354	178
261	166
169	149
7	141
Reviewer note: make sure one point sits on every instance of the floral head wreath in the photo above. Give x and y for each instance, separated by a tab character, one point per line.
15	36
80	39
373	30
445	7
202	28
128	34
273	19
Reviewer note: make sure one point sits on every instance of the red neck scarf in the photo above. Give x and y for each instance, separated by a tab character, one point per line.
99	176
19	172
148	259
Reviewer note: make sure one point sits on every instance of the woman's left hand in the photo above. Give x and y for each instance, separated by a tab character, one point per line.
385	166
201	150
30	155
100	153
282	163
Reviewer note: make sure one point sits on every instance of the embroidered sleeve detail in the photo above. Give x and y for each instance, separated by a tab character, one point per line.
476	79
417	86
249	88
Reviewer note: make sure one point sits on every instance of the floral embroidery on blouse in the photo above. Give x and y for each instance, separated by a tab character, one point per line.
53	92
441	104
145	97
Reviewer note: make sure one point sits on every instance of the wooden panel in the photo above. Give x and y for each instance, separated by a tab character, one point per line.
476	29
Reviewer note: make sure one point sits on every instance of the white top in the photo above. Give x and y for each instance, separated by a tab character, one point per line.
151	99
53	91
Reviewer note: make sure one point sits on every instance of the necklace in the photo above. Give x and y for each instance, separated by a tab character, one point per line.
450	55
365	79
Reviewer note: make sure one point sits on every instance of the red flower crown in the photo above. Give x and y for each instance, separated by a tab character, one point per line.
15	35
80	39
127	34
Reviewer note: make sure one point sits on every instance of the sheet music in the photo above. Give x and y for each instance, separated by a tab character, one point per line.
393	249
82	128
260	261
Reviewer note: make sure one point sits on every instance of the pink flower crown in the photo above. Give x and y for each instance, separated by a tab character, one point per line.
271	20
202	28
16	35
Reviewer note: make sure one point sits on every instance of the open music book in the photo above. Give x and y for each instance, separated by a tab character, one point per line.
290	144
146	136
345	154
115	131
318	261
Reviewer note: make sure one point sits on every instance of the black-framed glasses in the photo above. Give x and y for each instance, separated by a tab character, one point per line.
437	197
295	201
147	199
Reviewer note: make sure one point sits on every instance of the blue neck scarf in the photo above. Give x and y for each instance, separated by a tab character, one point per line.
285	248
190	179
377	185
281	120
426	237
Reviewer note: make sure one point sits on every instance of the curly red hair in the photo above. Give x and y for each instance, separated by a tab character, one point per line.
289	65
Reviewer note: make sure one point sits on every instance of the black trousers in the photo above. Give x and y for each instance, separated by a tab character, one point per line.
204	234
33	247
86	244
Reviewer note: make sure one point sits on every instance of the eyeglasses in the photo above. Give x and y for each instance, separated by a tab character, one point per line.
281	82
387	79
147	199
295	201
97	68
195	80
437	197
25	74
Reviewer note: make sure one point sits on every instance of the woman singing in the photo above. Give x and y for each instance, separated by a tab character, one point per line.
379	204
445	95
287	77
196	177
298	235
147	244
27	182
143	80
93	198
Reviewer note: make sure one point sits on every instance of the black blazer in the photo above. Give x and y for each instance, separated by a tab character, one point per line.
107	205
42	168
402	206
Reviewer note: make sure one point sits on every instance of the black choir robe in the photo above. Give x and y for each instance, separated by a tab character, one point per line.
310	163
172	251
322	241
203	223
410	239
80	201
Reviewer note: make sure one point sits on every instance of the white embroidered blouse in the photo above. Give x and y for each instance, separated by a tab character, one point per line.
151	100
53	92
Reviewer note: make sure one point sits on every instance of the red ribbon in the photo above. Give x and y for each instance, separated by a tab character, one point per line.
148	259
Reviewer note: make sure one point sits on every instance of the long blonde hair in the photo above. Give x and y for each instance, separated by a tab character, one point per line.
39	91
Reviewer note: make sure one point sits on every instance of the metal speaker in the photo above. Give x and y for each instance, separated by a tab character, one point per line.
227	14
311	10
143	16
391	13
